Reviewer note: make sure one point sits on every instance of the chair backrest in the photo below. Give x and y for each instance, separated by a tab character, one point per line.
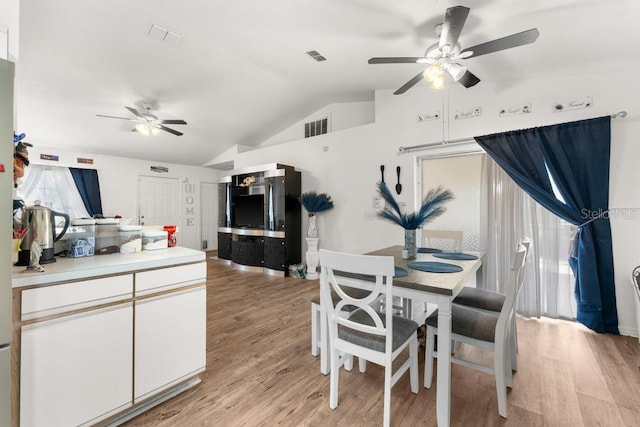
516	278
340	271
455	236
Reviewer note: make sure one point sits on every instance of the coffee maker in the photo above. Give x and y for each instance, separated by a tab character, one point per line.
39	223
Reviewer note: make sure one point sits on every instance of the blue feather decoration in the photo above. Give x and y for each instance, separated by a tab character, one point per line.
431	208
315	203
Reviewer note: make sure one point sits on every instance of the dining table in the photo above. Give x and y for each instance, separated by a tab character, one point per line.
434	288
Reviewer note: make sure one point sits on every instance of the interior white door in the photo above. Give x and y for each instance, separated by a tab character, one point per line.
159	201
209	215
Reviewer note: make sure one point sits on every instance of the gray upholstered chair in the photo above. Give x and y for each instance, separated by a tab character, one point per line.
489	331
492	302
317	346
367	334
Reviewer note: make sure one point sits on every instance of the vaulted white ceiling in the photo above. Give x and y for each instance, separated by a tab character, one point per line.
239	73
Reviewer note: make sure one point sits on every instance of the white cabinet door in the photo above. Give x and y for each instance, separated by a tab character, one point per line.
77	368
170	340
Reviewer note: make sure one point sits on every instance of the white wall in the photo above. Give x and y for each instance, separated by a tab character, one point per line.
346	164
342	115
118	178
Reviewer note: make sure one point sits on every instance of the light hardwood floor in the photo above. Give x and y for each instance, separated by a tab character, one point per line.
260	371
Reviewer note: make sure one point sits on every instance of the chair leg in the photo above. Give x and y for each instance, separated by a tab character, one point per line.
334	379
386	422
348	362
428	357
362	365
315	326
499	361
413	367
513	343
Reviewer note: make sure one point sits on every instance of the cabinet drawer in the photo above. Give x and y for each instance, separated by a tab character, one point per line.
66	297
170	278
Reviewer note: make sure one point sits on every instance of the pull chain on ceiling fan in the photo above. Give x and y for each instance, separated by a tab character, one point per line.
443	56
147	123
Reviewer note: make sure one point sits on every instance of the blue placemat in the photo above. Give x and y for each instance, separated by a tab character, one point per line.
429	251
434	267
400	272
455	255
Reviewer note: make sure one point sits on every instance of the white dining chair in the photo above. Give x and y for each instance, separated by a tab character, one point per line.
489	301
318	348
488	331
367	334
450	240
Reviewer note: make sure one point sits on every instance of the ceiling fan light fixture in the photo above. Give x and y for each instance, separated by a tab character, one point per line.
432	73
456	71
437	83
146	129
422	60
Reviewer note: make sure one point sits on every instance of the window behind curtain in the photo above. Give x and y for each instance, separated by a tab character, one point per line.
54	187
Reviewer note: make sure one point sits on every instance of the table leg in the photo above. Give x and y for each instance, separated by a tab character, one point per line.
443	397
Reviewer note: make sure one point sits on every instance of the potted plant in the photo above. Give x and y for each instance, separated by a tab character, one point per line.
431	208
315	203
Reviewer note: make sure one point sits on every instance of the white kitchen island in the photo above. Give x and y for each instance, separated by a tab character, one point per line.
100	339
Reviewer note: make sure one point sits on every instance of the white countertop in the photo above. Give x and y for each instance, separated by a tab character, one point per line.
98	265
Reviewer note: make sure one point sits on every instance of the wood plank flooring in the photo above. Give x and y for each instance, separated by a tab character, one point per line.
260	371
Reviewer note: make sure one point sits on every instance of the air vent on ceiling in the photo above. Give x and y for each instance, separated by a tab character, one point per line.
318	127
316	55
162	34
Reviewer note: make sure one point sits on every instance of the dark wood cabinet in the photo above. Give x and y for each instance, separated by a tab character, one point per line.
259	218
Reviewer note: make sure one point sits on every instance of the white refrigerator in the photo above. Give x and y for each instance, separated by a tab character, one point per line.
6	229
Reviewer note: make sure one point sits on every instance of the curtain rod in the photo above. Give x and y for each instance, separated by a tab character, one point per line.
618	115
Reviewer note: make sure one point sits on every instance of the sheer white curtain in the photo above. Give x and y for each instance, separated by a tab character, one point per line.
54	187
509	214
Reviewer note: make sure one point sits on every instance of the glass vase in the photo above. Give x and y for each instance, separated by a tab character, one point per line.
312	231
409	244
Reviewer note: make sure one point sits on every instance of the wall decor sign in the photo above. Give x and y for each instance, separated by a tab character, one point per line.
575	104
159	169
51	157
190	203
513	111
466	114
427	117
85	161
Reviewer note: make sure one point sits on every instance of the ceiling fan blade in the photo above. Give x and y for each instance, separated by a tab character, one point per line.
468	79
171	122
173	131
122	118
454	20
398	60
514	40
135	112
408	85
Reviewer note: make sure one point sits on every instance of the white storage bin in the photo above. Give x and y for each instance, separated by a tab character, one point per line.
130	239
154	239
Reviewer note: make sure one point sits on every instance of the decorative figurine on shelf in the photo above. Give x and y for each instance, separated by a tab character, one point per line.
314	203
20	157
432	207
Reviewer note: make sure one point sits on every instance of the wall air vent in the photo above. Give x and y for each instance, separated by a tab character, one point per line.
316	55
318	127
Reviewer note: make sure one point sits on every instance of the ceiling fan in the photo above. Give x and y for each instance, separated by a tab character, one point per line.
445	54
147	123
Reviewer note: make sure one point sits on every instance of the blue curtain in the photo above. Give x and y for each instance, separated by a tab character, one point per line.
575	157
89	188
